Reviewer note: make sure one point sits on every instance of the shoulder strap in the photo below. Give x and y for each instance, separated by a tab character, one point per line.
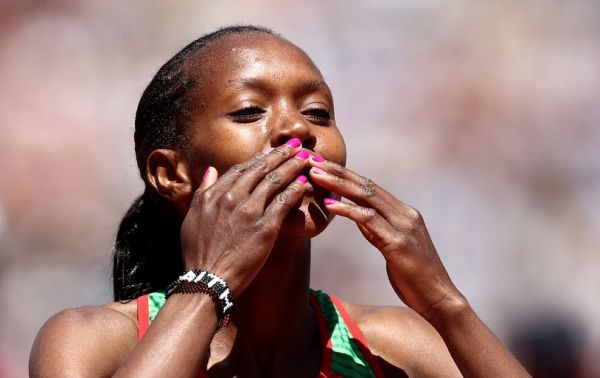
345	351
358	337
143	316
148	306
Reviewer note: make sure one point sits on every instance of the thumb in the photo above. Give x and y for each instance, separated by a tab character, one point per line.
210	177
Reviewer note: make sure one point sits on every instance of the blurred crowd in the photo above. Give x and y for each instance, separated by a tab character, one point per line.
482	115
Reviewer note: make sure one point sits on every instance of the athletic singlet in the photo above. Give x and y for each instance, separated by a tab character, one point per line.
345	351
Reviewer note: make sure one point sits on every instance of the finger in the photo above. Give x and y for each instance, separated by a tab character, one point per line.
230	176
358	189
264	165
370	222
283	203
277	179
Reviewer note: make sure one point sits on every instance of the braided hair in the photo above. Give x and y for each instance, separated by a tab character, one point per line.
147	249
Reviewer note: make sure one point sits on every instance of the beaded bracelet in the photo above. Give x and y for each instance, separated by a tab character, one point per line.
200	281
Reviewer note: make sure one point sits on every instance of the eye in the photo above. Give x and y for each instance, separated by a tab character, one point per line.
319	115
247	115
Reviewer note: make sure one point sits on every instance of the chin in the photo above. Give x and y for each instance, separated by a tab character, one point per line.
307	220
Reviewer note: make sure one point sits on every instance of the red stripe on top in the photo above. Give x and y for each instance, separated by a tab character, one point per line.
326	344
358	336
143	316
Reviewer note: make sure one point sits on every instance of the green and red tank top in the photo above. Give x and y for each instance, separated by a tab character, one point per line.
345	351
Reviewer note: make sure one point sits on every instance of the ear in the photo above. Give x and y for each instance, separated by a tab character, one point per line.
167	172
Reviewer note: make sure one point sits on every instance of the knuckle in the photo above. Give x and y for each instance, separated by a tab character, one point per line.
283	151
367	191
260	163
237	168
363	213
229	200
282	199
366	182
414	215
294	163
274	177
339	169
369	213
203	199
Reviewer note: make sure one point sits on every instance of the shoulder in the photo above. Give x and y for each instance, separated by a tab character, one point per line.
401	339
90	340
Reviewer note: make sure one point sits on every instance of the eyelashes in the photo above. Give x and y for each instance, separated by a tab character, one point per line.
254	113
247	115
318	115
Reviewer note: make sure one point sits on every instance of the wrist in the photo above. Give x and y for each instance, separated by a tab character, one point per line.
449	312
200	282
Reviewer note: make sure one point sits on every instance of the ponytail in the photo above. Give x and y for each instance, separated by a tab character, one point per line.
147	251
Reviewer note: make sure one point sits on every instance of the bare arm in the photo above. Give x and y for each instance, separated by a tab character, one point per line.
416	272
101	342
239	216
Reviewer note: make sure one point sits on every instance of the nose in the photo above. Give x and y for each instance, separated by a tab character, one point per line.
289	124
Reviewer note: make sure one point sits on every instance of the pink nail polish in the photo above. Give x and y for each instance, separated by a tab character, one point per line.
318	158
302	154
294	142
206	173
329	201
301	179
318	171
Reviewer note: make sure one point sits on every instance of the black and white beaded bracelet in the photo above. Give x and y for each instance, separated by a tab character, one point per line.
200	281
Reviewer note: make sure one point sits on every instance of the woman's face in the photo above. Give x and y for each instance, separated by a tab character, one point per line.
256	92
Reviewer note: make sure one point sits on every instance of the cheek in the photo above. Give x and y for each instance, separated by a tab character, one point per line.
229	147
331	146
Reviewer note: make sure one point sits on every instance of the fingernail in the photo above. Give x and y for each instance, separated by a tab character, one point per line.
301	179
318	158
318	171
206	173
329	201
302	154
294	142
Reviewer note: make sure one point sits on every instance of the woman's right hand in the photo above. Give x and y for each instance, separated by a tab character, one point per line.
233	221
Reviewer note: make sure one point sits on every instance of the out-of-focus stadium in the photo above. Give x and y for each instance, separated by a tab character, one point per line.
483	115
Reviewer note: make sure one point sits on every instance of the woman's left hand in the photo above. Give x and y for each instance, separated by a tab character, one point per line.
398	231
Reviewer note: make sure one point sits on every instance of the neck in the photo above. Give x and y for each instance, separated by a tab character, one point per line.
272	316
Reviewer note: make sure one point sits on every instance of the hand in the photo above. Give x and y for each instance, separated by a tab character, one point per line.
233	221
398	231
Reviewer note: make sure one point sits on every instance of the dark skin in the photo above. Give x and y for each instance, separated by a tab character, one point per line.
257	220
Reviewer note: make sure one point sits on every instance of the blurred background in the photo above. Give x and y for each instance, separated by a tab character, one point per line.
483	115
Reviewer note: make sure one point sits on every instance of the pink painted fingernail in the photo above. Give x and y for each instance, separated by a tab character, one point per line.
329	201
294	142
318	158
302	154
301	179
318	171
206	173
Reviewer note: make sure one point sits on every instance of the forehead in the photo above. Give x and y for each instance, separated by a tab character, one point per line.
249	55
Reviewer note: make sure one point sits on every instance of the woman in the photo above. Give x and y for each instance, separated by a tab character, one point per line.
237	144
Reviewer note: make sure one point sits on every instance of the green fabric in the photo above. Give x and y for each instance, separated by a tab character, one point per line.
346	359
155	302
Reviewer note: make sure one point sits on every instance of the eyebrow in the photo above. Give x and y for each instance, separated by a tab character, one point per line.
304	88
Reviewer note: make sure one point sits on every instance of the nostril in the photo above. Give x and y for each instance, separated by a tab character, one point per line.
282	140
309	143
